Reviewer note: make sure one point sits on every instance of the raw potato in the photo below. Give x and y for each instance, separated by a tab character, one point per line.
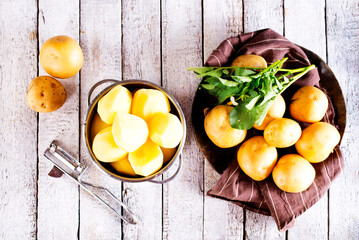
45	94
123	167
293	173
317	141
149	102
61	57
308	104
118	99
168	153
129	131
105	148
97	125
277	110
147	159
254	61
257	158
219	130
282	132
166	130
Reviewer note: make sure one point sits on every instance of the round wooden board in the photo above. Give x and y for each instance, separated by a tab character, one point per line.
219	158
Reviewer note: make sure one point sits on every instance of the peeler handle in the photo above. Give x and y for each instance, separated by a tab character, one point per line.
95	86
173	176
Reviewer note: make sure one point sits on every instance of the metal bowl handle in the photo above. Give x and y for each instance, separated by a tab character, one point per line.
95	86
173	176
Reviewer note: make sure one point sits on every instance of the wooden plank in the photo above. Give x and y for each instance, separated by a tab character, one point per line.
303	32
182	48
101	44
18	138
258	15
343	43
142	60
58	198
220	22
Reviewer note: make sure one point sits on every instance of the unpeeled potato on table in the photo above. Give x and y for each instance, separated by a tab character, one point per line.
282	132
249	61
317	141
45	94
293	173
277	110
61	57
219	130
308	104
257	158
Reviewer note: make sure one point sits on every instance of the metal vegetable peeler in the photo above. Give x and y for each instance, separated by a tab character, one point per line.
75	170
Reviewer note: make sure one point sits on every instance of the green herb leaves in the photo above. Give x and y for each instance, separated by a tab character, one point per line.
251	91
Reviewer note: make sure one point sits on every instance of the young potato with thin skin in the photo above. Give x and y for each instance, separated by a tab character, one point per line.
282	132
249	60
123	167
118	99
105	148
219	130
45	94
166	130
61	57
293	173
97	125
147	159
149	102
277	110
317	142
257	158
308	104
129	131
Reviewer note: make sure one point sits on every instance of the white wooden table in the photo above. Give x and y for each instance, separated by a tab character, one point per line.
155	40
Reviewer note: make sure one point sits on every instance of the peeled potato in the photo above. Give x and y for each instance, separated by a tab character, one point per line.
166	130
308	104
61	56
129	131
277	110
254	61
105	148
168	153
147	159
317	141
219	130
97	125
149	102
257	158
124	167
45	94
282	132
293	173
118	99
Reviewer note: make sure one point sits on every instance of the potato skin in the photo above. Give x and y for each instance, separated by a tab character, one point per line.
282	132
249	61
277	110
317	141
293	173
257	158
219	130
45	94
308	104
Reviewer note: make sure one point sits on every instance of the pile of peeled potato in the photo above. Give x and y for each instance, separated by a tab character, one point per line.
257	156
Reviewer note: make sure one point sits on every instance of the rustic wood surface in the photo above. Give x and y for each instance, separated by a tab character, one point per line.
155	40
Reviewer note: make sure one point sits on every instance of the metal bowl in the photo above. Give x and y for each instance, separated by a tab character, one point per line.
132	85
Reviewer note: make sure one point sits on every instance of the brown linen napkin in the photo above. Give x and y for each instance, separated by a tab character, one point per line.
265	197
